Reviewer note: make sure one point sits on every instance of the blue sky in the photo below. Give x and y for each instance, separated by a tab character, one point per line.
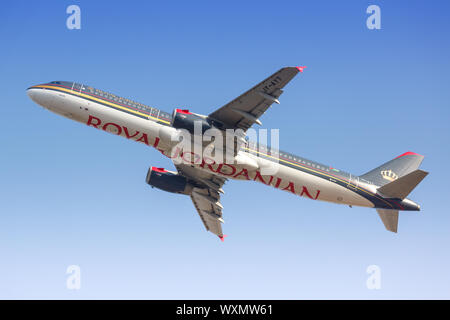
71	195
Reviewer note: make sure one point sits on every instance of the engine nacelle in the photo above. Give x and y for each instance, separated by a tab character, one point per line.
183	119
168	181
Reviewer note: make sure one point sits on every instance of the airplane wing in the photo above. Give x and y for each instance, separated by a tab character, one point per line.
206	197
245	110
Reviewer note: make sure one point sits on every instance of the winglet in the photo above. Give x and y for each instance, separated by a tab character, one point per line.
222	237
301	68
184	111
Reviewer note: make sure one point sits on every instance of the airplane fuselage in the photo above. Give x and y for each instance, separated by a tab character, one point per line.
150	126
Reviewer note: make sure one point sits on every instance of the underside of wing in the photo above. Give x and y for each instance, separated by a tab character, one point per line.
206	197
245	110
207	207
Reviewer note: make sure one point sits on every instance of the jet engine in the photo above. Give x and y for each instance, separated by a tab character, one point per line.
184	119
168	181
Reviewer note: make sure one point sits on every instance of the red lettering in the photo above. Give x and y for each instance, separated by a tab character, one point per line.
196	157
91	123
305	191
317	194
143	139
259	177
208	164
290	187
244	173
156	142
125	129
277	184
219	169
119	128
176	155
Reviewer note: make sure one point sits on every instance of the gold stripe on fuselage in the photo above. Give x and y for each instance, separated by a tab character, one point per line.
86	96
321	173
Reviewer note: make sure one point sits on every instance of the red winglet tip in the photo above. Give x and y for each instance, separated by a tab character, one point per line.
301	68
185	111
409	153
222	237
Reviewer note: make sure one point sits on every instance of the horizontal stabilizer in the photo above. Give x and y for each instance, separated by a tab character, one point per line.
401	187
389	218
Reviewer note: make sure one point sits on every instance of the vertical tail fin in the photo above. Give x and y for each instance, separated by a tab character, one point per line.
394	169
396	179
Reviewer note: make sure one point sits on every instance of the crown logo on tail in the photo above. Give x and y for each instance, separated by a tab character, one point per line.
389	175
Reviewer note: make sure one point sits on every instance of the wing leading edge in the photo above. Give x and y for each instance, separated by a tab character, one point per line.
245	110
241	113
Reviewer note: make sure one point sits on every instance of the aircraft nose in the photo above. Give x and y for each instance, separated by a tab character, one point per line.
32	94
38	96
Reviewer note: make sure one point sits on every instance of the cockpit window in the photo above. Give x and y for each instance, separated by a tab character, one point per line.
56	82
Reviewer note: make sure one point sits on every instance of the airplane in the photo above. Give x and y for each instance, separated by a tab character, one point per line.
202	177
